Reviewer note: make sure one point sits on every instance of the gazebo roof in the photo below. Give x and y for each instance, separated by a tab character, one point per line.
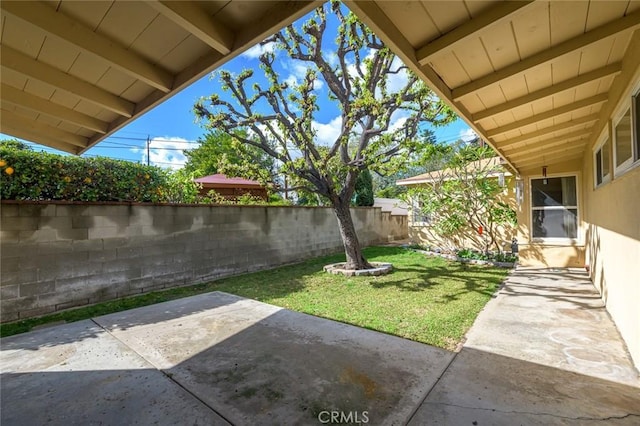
222	180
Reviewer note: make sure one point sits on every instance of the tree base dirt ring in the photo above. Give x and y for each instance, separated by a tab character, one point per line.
379	268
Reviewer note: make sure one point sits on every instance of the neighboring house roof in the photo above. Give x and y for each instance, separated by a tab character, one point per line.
446	174
394	206
221	181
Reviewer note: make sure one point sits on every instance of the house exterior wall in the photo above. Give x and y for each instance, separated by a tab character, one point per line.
423	233
609	234
613	251
612	233
59	255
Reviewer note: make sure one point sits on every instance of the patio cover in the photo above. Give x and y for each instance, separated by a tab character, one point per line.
532	78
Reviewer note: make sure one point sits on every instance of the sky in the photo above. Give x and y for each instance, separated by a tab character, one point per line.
171	127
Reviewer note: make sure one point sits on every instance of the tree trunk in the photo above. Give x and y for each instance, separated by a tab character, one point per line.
352	249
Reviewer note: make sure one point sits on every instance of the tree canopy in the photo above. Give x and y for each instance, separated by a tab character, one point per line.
381	105
220	152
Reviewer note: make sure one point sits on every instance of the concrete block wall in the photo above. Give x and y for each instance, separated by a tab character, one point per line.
60	255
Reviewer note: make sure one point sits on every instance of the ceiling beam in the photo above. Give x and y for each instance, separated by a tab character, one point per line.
12	59
578	134
17	97
551	144
71	31
551	129
29	135
281	14
553	156
629	22
569	84
14	120
494	16
196	21
584	103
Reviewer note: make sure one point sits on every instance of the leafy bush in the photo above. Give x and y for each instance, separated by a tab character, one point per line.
491	256
30	175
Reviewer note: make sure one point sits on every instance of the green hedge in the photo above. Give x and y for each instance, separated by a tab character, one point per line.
30	175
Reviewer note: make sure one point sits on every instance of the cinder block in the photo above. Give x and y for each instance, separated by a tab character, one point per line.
73	234
54	272
87	269
9	236
108	221
116	242
129	252
54	247
19	223
19	304
39	236
105	232
9	291
31	260
6	316
103	255
140	283
37	312
20	276
36	289
8	210
71	304
86	245
70	210
119	265
37	210
69	260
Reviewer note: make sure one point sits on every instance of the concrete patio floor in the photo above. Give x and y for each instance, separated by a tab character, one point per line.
543	352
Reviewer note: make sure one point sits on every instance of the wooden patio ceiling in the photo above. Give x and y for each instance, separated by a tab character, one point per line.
74	72
533	78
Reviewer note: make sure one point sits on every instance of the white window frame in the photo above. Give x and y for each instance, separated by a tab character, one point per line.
619	169
627	103
578	207
604	137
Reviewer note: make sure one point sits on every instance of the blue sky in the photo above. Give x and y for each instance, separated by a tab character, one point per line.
171	126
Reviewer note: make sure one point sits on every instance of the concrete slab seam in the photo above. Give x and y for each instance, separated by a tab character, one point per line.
168	376
495	410
417	408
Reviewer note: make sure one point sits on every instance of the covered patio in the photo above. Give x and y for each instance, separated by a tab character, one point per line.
552	86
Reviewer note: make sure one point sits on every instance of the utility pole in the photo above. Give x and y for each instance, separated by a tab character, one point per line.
148	146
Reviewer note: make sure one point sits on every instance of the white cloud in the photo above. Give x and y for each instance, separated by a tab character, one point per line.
326	134
397	121
257	50
332	58
298	73
167	152
467	134
397	81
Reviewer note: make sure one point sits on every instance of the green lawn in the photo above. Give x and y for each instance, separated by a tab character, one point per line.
427	299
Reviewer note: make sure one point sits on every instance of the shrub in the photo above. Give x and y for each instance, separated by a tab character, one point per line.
30	175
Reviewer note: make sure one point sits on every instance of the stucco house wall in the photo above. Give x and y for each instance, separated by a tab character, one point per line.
423	233
608	243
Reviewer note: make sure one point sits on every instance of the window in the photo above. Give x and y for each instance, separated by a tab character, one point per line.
626	134
417	214
602	167
622	141
554	208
